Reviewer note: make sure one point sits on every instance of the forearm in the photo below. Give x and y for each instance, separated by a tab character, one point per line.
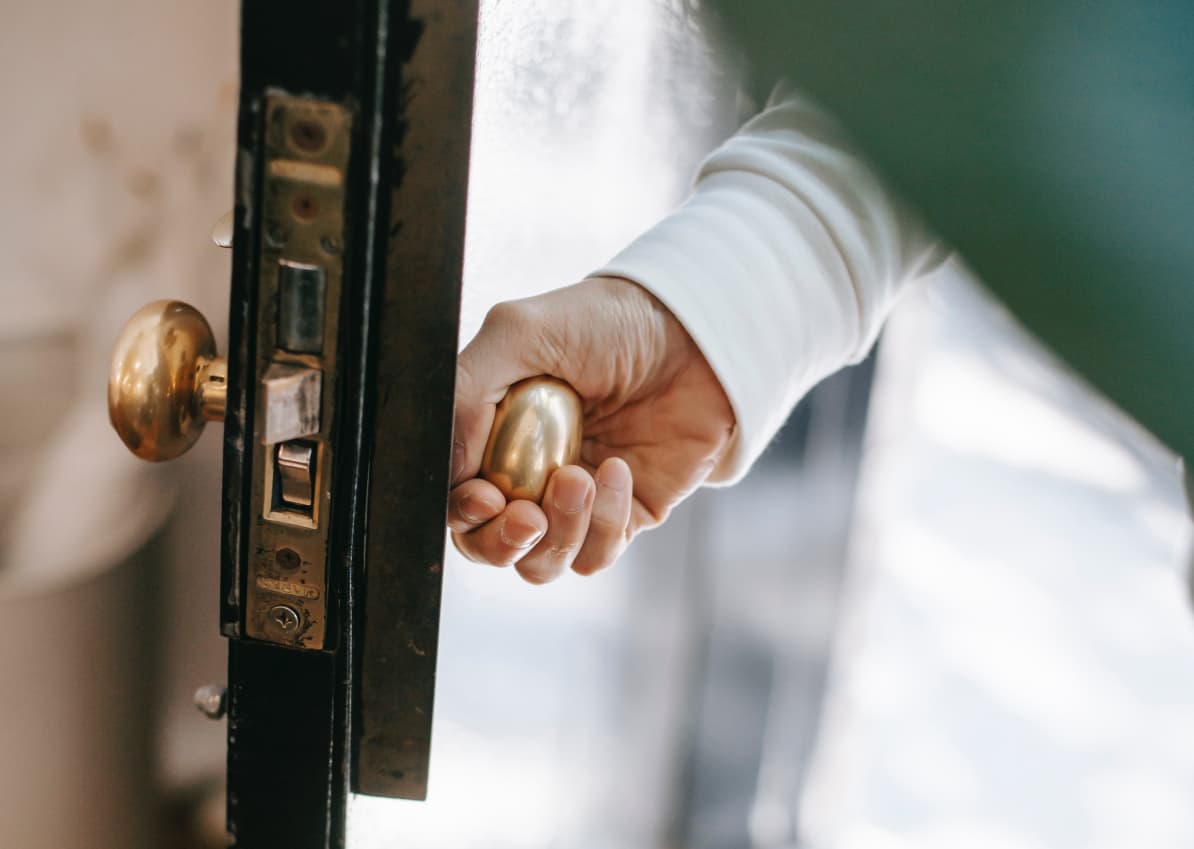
782	265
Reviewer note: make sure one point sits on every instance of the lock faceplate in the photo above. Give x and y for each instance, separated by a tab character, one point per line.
299	280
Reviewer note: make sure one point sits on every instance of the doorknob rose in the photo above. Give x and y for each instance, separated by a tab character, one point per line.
165	380
536	429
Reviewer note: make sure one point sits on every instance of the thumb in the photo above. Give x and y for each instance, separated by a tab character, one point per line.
502	353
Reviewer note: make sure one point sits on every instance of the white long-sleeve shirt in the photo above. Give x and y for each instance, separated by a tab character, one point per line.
782	265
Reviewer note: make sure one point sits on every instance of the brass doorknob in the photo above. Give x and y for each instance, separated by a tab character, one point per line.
166	381
536	429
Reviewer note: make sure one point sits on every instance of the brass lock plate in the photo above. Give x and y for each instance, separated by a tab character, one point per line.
300	271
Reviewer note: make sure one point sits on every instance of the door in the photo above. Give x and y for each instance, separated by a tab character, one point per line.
336	397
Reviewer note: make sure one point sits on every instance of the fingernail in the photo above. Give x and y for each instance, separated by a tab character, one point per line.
570	494
614	476
467	514
457	459
518	535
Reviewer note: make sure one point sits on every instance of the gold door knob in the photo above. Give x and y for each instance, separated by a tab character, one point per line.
536	429
166	381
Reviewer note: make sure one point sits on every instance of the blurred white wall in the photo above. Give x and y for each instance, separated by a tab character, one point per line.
118	146
1017	669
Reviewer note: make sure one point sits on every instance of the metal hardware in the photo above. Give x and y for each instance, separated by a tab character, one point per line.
212	700
284	617
296	475
287	559
392	82
291	402
165	380
301	290
221	233
306	151
308	136
536	429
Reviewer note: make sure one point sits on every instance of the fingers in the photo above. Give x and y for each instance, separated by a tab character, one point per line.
474	503
610	519
582	523
485	369
568	504
506	538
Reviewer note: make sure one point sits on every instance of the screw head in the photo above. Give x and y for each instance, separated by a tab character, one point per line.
275	236
309	136
304	206
283	617
212	700
287	559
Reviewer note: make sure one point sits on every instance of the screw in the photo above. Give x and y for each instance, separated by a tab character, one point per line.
330	245
308	136
284	617
288	559
304	207
212	700
275	236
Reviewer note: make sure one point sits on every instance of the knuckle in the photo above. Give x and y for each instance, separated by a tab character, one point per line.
542	335
606	525
562	552
508	316
549	560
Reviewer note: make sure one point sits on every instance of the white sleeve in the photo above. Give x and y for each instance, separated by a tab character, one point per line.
782	265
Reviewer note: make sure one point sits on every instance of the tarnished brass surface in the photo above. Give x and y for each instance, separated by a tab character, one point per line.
536	430
165	380
307	145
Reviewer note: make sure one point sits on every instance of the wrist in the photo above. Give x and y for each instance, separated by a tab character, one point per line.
664	344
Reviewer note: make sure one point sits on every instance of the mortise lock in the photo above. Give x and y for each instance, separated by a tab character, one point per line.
165	381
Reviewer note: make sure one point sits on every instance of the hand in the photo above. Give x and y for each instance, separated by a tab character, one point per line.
656	422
